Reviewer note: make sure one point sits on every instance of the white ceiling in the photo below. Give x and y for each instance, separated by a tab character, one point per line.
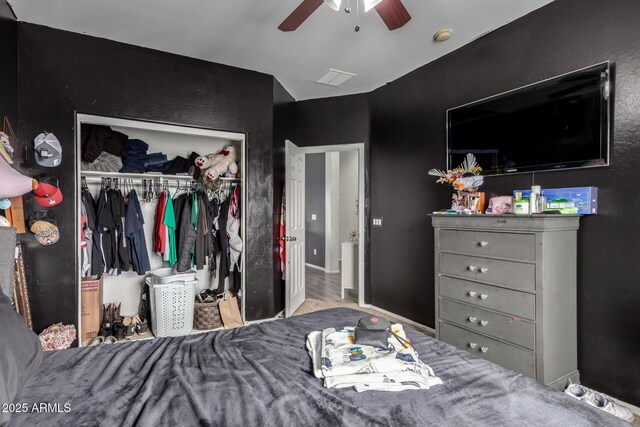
244	33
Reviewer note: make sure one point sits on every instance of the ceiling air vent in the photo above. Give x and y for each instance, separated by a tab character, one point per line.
335	78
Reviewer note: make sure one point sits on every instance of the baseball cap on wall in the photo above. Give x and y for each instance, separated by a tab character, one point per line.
44	226
48	150
48	192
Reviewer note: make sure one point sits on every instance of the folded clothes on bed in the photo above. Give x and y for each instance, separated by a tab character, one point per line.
344	364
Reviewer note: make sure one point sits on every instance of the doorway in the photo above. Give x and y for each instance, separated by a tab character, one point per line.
333	261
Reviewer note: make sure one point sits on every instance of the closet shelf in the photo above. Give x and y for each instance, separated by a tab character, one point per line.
144	176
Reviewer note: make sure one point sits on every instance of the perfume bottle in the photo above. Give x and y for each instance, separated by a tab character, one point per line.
533	199
542	203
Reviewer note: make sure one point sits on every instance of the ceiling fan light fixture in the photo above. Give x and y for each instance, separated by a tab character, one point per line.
370	4
333	4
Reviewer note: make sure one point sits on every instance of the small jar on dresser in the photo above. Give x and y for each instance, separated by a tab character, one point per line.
506	291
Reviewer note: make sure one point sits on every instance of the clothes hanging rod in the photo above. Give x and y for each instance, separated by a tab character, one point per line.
98	175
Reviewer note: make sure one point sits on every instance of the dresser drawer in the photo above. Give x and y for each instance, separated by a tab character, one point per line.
506	328
506	273
504	245
509	356
516	303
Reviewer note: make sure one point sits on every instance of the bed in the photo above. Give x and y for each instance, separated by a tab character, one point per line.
262	375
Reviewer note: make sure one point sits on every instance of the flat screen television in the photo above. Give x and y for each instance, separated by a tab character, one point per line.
559	123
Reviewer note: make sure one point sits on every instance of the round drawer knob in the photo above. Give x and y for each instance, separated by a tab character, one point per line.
472	268
484	270
472	293
473	345
484	349
483	243
484	296
484	322
472	319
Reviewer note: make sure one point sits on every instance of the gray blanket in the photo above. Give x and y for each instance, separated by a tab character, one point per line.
262	375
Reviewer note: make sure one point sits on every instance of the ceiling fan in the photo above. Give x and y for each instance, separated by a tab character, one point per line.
392	12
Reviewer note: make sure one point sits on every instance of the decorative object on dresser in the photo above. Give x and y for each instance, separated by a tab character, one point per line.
465	181
506	291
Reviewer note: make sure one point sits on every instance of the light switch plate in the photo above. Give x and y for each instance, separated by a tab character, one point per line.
377	221
313	217
315	252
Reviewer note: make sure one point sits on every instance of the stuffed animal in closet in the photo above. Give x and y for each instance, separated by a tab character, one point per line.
215	165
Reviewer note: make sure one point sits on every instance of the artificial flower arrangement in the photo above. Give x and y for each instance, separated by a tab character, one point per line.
464	180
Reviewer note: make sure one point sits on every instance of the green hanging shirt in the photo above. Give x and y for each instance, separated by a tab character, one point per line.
170	222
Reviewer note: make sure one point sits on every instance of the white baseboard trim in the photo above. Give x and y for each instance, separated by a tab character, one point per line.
633	408
268	319
316	267
397	316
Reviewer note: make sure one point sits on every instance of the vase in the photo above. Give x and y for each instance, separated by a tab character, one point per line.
465	202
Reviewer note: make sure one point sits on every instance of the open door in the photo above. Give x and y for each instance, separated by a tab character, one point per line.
294	224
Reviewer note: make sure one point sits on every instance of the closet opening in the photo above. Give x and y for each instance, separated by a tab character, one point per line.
155	177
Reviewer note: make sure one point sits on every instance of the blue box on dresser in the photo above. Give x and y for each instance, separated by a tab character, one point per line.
584	198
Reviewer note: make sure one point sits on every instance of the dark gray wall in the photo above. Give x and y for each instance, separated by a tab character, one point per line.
408	138
62	72
315	203
339	120
9	68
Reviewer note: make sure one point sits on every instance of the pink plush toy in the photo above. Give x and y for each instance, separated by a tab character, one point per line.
214	165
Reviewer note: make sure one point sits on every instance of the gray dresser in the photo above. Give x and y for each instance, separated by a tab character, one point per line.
506	291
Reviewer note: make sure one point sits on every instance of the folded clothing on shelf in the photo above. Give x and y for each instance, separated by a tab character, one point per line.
105	162
178	165
135	154
96	139
154	159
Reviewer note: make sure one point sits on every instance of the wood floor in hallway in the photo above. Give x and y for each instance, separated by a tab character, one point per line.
326	287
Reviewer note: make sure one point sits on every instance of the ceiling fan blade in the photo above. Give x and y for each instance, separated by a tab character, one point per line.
393	13
299	15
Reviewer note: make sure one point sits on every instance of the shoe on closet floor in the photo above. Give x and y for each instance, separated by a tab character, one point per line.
129	331
107	320
99	340
118	330
604	402
116	313
110	340
578	391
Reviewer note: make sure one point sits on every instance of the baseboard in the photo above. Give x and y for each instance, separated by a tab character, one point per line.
562	382
315	267
633	408
404	319
268	319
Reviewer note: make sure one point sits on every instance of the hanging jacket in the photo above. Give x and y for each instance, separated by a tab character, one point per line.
120	211
135	234
159	232
187	238
101	258
223	268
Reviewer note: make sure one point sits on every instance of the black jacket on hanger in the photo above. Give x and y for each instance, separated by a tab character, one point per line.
223	268
187	238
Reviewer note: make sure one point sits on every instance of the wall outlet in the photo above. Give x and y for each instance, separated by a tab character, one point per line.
315	252
313	217
377	221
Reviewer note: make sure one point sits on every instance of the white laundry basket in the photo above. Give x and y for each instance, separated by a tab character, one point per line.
172	298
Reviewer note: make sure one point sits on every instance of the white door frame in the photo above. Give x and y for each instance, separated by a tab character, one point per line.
359	147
